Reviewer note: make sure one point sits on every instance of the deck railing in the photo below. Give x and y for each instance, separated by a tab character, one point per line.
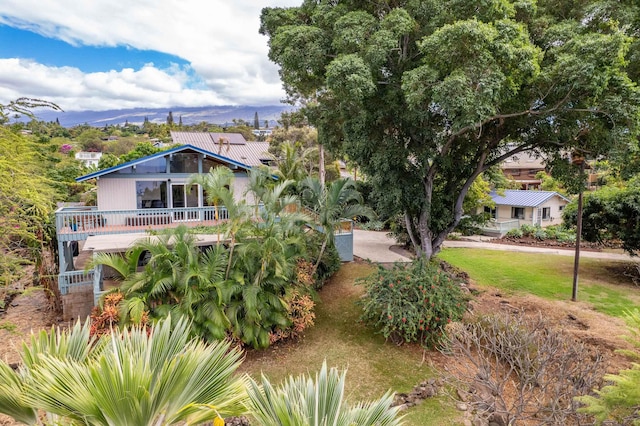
500	227
76	223
71	279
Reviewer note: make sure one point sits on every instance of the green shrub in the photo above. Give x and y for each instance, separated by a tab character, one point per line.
398	231
514	233
539	234
528	230
470	225
552	232
412	302
372	225
566	237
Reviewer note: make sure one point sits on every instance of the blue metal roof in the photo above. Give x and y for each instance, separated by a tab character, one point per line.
162	154
522	198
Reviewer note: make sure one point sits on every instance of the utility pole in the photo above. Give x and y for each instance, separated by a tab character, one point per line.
322	170
576	259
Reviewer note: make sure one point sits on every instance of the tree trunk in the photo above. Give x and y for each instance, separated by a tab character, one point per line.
431	243
322	249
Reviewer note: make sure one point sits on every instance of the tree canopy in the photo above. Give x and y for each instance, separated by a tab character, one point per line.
425	95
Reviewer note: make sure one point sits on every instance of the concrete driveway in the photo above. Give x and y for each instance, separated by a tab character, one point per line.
376	246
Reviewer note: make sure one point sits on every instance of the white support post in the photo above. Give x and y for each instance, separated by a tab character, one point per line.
97	279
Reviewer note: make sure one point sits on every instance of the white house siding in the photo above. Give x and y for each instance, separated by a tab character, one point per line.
556	214
240	184
116	194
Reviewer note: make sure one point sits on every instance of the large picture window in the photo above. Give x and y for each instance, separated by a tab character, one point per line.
184	162
151	194
157	165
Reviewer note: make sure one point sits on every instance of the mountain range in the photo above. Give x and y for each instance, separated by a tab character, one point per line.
222	115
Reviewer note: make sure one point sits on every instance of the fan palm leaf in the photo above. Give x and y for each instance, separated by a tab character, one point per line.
159	377
308	401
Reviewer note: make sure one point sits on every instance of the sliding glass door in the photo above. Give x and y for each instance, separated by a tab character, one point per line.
184	196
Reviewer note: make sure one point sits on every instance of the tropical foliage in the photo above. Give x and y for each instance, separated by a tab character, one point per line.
33	177
332	204
142	376
308	401
244	286
178	278
619	400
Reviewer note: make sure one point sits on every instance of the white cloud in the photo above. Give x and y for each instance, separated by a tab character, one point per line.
218	38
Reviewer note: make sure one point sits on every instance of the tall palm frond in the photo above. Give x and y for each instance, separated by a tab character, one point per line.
291	163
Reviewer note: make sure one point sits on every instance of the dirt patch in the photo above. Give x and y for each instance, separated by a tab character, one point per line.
27	312
576	318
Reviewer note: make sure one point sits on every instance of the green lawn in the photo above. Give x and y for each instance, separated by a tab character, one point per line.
549	276
374	366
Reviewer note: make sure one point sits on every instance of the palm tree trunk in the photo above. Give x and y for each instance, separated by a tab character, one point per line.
233	244
322	249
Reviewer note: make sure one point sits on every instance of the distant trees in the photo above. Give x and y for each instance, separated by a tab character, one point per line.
91	140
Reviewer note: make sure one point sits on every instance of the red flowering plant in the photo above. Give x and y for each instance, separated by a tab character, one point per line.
412	302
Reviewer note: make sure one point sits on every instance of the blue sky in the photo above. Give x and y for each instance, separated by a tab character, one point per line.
51	52
98	54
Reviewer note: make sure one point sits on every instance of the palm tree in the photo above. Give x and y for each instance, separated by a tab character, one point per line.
291	163
303	401
158	377
178	278
218	185
264	267
333	203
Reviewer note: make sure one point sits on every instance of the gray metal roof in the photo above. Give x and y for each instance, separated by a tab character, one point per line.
233	146
188	138
521	198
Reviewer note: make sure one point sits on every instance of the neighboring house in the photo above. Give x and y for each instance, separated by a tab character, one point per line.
517	207
523	168
89	159
150	193
262	132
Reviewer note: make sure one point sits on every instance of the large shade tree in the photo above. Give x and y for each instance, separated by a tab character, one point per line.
425	95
